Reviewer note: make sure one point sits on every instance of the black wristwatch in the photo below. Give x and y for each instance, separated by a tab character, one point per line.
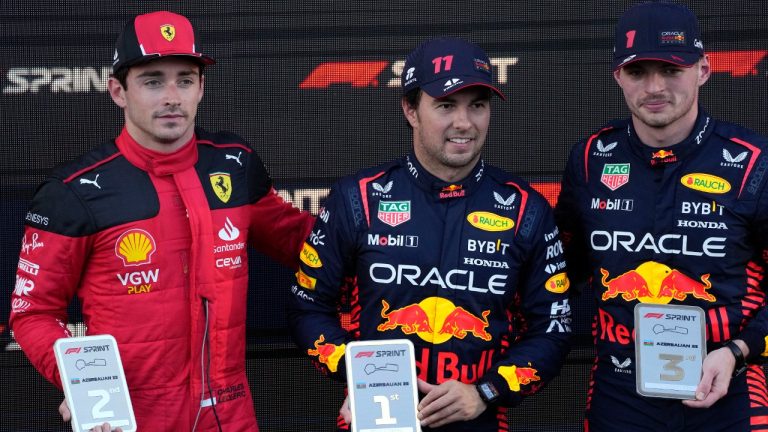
741	364
488	392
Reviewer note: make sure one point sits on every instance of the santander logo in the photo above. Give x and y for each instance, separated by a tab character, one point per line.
229	232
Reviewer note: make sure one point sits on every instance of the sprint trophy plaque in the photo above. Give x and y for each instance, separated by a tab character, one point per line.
670	346
381	377
94	382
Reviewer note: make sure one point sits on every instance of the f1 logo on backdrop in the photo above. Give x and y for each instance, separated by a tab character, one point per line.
738	64
371	73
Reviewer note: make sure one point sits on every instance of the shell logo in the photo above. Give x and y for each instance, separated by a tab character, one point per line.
135	247
488	221
706	183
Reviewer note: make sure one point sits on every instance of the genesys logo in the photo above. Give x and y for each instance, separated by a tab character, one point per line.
381	73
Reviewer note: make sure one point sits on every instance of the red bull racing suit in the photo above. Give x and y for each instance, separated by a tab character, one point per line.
472	273
687	224
154	246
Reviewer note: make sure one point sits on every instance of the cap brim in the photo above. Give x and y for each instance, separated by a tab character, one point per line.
437	89
684	59
202	59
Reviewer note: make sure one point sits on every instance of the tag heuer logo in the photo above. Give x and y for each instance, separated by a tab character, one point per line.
168	31
615	175
394	213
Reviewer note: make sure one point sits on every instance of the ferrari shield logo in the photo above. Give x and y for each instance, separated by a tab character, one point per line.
168	31
222	185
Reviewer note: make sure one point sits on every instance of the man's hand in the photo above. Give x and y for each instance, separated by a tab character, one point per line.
716	377
64	411
345	412
448	402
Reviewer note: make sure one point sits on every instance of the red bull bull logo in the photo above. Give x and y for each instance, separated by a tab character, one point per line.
679	286
327	353
653	282
518	376
411	319
460	322
663	157
435	320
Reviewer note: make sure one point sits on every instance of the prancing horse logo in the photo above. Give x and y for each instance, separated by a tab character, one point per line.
222	185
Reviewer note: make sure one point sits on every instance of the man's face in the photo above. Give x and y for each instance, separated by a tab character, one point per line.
659	94
449	132
160	102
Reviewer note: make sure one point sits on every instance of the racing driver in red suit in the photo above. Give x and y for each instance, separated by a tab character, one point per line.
150	232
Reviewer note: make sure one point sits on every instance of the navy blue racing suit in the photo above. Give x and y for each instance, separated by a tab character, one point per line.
686	224
472	273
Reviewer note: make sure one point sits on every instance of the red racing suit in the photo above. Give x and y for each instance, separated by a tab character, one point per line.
471	272
686	224
146	241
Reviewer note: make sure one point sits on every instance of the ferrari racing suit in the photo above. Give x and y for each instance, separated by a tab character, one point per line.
154	246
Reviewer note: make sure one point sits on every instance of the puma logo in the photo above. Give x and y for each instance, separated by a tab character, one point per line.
235	158
91	182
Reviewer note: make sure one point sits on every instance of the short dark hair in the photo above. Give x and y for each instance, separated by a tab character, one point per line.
413	97
121	74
